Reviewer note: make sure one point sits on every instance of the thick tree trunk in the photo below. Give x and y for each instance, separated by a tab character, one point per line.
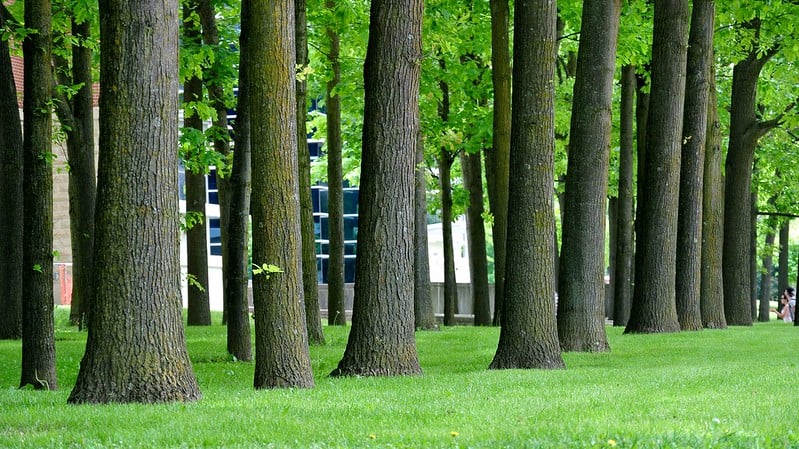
38	335
381	341
236	272
641	120
472	172
624	250
712	287
498	159
82	176
282	358
581	281
424	312
445	160
199	310
654	303
744	134
136	349
765	276
529	336
310	283
11	224
335	194
689	227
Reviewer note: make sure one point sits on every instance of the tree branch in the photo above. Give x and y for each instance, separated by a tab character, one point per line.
765	126
778	214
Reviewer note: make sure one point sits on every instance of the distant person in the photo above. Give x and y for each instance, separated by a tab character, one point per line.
785	310
791	293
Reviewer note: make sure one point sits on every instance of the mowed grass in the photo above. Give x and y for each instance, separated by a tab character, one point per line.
732	388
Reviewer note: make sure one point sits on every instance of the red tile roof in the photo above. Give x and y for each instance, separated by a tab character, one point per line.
17	66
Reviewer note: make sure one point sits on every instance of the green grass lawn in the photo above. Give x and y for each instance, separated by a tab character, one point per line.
733	388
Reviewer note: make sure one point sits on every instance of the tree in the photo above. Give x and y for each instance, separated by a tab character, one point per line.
765	273
689	226
581	286
76	115
381	341
624	251
310	284
336	310
236	272
529	338
471	167
784	253
445	160
424	313
38	334
654	306
136	349
498	159
711	304
11	224
199	309
282	357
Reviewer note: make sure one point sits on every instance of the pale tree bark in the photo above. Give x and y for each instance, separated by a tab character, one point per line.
529	336
689	226
11	224
310	283
498	159
136	348
282	357
712	287
624	237
336	313
471	169
38	334
654	303
381	341
236	272
581	281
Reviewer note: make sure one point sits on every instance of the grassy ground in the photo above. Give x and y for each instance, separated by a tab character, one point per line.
733	388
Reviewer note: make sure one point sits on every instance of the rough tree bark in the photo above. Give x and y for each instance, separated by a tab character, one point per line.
336	310
498	159
136	349
38	334
381	341
529	336
282	358
654	304
11	224
471	169
310	284
624	251
689	226
712	287
581	281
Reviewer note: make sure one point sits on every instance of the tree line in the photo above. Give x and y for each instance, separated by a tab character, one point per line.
422	118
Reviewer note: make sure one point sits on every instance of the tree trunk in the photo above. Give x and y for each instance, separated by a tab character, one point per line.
11	224
472	172
712	292
654	303
745	130
641	121
136	349
236	272
782	278
529	336
424	312
38	335
199	310
498	159
765	276
581	285
310	282
445	160
82	176
282	357
689	227
624	251
613	246
381	341
753	262
335	193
